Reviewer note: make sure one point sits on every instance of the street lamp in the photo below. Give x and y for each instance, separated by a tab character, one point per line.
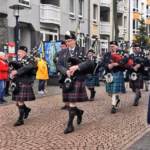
17	8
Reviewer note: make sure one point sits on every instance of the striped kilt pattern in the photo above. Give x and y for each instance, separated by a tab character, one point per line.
25	93
92	81
77	94
117	85
137	84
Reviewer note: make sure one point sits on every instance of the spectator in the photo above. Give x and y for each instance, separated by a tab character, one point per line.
3	76
42	75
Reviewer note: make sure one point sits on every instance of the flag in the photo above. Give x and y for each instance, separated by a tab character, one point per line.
41	49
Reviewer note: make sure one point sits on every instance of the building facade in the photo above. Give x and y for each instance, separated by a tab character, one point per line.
139	9
46	20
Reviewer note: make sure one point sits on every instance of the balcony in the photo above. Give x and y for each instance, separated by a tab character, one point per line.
122	31
105	28
49	14
106	3
120	7
3	8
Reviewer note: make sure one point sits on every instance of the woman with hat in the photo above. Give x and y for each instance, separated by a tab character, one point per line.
24	75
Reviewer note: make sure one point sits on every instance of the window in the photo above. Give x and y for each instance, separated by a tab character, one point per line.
135	5
51	2
25	2
135	26
81	2
95	12
120	19
105	14
72	6
148	11
125	21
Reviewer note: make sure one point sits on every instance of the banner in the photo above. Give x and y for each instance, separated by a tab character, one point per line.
50	50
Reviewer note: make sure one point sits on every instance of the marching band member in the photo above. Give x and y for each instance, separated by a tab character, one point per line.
114	77
23	90
136	76
91	79
73	87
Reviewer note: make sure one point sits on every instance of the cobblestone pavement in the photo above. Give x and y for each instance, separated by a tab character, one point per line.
99	130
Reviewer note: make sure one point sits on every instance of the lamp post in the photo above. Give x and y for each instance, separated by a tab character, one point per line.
16	8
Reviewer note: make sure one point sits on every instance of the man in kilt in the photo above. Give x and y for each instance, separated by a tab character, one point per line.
92	79
116	85
136	76
73	86
24	78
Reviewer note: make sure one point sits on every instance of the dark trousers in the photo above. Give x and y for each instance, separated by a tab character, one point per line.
41	86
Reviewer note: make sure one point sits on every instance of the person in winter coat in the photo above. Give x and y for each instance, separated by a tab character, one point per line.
42	75
3	76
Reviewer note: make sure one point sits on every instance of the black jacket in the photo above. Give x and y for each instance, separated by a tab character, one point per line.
67	60
26	73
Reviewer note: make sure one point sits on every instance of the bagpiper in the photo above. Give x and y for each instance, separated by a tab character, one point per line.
113	75
72	66
92	79
136	73
22	75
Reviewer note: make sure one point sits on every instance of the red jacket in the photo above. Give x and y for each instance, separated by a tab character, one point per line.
3	70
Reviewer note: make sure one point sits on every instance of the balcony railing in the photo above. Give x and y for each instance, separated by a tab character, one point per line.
49	14
120	7
105	2
105	28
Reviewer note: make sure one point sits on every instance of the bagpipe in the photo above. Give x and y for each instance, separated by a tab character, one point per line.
122	58
14	85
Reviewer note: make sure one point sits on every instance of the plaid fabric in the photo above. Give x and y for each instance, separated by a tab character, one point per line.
92	81
117	86
137	84
25	93
78	94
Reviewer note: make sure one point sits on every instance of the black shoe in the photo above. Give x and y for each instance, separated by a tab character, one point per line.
118	101
69	129
79	116
26	112
136	103
113	110
19	123
65	107
92	95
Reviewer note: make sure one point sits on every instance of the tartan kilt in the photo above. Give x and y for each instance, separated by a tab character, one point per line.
77	94
137	84
92	81
117	85
25	93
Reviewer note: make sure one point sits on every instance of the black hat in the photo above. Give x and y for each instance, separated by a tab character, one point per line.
135	45
91	50
23	48
114	43
70	35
